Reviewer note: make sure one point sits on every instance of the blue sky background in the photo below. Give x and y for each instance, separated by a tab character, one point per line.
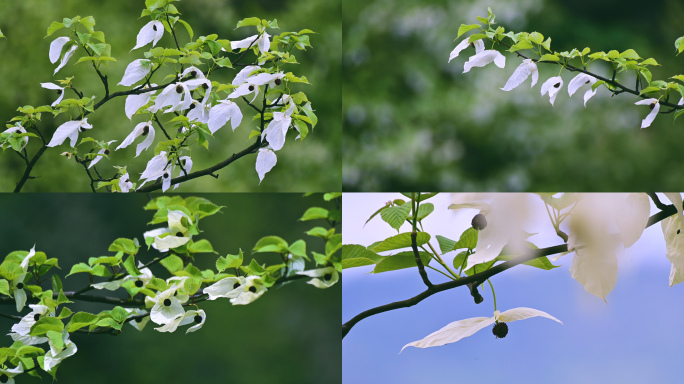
633	338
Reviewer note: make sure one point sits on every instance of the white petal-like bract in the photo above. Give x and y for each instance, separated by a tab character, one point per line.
150	33
552	86
655	107
56	48
526	69
266	160
483	58
135	71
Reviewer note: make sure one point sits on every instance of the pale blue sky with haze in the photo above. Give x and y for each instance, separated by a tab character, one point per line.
633	338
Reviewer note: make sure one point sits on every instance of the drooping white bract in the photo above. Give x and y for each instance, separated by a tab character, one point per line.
60	92
136	71
460	329
578	82
266	160
261	40
479	47
673	227
7	375
125	183
227	287
18	129
56	48
277	129
142	129
186	163
102	153
196	316
322	277
244	90
507	216
483	58
22	329
176	235
244	74
199	112
18	282
252	289
155	168
524	70
176	95
70	130
595	264
135	102
552	86
150	33
144	278
221	113
138	323
166	306
654	104
57	353
193	72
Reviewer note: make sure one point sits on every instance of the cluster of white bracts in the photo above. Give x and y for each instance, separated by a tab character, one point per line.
528	68
176	97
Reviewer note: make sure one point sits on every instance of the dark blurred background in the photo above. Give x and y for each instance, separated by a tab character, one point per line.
413	121
312	165
290	335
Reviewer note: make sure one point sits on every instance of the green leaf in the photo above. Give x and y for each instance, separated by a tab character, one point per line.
548	57
630	54
202	246
56	283
354	255
172	263
424	210
314	213
402	240
678	45
249	22
88	22
271	244
45	324
650	61
80	320
230	261
445	244
375	214
119	314
468	239
536	37
521	45
318	232
396	216
459	260
310	114
56	338
129	264
465	28
400	261
54	27
298	248
187	27
124	245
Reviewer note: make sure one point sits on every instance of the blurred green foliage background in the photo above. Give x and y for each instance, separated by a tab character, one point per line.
312	165
289	335
412	121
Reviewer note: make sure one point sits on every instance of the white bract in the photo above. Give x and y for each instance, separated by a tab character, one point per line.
60	92
21	330
593	239
244	74
57	353
7	375
155	168
578	82
176	235
142	129
135	102
140	322
654	104
101	153
125	183
166	306
196	316
266	160
150	33
478	44
261	40
552	86
276	131
322	277
139	281
673	227
70	130
18	129
56	50
136	71
223	112
483	58
460	329
193	72
227	287
177	95
199	112
252	289
18	282
524	70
